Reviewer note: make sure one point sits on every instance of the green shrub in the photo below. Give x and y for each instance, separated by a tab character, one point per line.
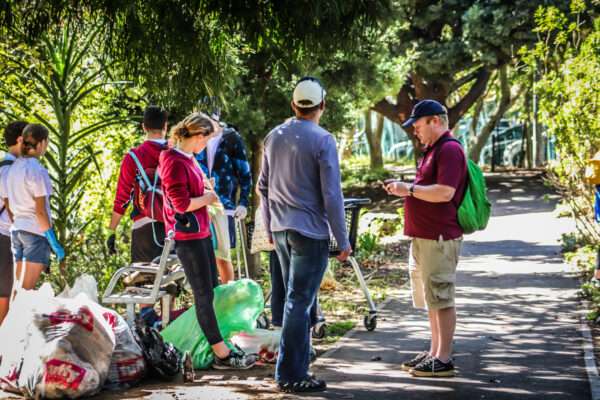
367	243
570	242
583	258
356	171
591	292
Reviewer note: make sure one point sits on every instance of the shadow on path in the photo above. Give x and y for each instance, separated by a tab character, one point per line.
518	333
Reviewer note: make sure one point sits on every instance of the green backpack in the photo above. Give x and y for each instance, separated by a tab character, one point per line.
474	210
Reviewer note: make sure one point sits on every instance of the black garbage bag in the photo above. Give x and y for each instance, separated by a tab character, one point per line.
164	359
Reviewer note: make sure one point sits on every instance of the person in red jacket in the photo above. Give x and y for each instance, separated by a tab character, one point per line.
147	236
185	213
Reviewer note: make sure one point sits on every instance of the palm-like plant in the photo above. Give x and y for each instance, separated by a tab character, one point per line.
63	76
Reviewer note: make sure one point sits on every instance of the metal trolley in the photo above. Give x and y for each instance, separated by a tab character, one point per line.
162	268
352	209
132	295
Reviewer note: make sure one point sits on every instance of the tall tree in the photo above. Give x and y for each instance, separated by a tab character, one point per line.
65	81
568	59
374	139
455	45
503	104
248	52
181	50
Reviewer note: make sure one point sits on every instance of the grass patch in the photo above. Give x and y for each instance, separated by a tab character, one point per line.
357	171
336	330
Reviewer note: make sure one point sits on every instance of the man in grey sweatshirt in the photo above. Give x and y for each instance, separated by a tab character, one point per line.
301	194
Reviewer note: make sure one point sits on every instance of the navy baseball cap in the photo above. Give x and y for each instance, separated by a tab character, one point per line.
425	108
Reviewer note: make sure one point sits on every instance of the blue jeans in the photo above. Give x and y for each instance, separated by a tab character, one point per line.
278	291
303	263
31	247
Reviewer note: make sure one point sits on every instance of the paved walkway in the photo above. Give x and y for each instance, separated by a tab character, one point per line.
518	333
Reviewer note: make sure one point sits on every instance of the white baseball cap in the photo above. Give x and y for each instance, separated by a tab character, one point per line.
309	91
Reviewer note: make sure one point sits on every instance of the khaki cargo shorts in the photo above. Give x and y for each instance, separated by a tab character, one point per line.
432	268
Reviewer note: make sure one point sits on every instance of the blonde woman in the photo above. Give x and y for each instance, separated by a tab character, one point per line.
185	213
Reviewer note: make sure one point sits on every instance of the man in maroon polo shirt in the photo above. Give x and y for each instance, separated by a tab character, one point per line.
430	210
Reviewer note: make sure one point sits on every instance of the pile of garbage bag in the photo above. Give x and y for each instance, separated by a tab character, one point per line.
56	346
68	346
237	306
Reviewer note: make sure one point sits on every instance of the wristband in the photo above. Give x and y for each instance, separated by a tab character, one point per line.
411	190
111	231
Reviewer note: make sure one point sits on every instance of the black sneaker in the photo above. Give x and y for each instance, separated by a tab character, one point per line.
236	360
406	365
310	384
433	366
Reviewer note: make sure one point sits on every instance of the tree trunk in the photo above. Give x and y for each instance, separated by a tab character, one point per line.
374	139
455	131
527	132
256	151
539	141
505	103
523	144
345	150
523	152
475	119
529	145
416	89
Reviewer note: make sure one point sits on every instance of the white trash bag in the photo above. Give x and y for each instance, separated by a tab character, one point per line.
264	342
67	352
63	374
127	365
83	284
13	332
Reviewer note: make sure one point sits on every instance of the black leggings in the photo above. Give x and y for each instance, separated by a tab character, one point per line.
598	258
198	260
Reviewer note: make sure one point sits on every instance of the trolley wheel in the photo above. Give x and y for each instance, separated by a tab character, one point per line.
370	323
262	322
319	331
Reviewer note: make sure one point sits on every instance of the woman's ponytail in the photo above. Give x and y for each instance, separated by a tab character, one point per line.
194	124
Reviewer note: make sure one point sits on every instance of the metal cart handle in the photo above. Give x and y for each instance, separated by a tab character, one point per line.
356	202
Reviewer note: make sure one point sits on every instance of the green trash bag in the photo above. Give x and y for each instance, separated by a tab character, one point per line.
237	306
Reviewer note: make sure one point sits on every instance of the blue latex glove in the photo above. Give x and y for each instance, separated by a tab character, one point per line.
58	250
597	205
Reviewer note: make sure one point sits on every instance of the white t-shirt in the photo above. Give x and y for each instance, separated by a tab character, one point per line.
26	179
211	150
188	155
5	221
